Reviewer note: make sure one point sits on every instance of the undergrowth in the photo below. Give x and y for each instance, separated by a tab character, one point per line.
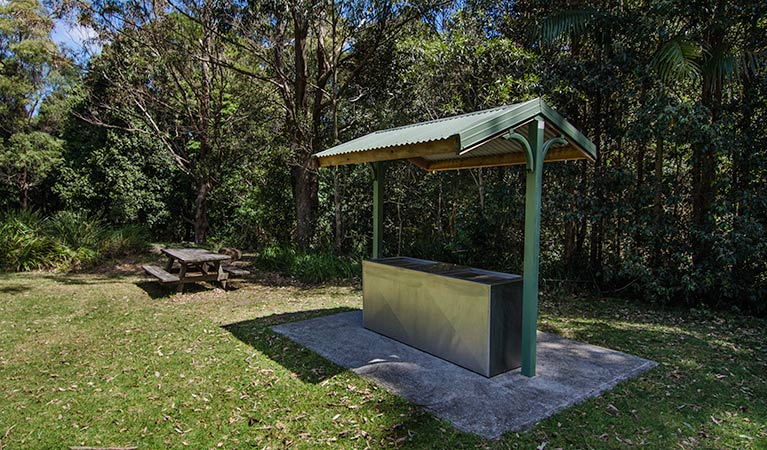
65	241
307	267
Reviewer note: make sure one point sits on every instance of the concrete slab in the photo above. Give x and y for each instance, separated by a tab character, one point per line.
569	372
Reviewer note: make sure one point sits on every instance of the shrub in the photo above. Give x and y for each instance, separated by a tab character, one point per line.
123	241
24	247
306	267
80	234
276	259
66	240
75	230
319	267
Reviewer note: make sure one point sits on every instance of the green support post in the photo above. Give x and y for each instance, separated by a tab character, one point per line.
378	199
534	185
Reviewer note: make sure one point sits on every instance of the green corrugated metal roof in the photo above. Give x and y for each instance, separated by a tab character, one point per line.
471	129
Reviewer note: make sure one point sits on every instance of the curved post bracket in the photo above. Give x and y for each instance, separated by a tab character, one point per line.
552	142
529	157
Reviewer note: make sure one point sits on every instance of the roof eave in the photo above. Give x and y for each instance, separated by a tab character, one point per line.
481	133
439	147
576	137
465	141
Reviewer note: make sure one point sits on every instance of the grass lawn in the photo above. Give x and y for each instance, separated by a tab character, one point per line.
109	360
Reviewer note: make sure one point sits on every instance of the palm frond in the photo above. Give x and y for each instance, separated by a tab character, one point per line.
561	23
677	59
721	66
753	62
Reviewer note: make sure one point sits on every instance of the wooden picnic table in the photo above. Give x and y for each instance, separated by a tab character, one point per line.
195	265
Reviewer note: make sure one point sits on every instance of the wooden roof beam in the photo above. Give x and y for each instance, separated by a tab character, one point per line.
568	153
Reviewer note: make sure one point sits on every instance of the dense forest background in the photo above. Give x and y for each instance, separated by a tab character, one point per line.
197	120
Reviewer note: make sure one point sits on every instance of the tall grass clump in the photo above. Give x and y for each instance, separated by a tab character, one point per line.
124	241
276	259
23	246
75	229
307	267
320	267
66	240
80	234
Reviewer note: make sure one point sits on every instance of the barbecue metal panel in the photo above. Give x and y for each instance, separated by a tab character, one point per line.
467	316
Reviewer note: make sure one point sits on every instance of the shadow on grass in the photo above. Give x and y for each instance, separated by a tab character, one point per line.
15	289
157	290
307	365
87	278
410	426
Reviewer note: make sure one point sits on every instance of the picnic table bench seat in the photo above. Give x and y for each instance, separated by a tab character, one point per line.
162	275
236	271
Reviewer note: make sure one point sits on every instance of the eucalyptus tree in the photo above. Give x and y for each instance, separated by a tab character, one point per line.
30	69
165	73
311	54
28	60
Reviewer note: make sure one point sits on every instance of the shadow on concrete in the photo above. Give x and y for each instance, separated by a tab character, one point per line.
307	365
409	425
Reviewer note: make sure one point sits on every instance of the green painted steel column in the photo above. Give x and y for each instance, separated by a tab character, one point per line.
534	185
378	202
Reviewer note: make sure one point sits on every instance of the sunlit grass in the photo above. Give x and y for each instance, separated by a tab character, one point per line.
109	360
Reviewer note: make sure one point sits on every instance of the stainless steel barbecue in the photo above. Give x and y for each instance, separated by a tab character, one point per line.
470	317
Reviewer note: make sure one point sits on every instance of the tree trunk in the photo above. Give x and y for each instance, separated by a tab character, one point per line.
704	159
24	189
657	208
440	228
596	240
201	225
571	229
305	189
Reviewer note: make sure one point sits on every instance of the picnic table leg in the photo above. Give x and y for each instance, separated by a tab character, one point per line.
222	276
181	275
170	264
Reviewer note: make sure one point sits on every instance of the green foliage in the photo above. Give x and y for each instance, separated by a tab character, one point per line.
314	267
276	259
65	241
122	176
321	267
28	62
564	23
672	211
123	241
251	206
677	60
27	158
75	229
24	246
